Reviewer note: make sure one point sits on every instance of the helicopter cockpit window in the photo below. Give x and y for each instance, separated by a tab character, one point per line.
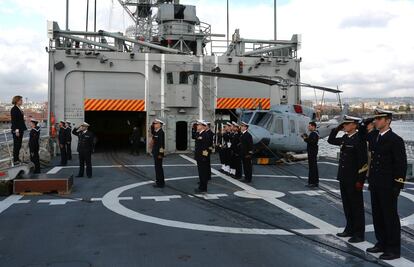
246	116
266	121
258	116
292	126
277	125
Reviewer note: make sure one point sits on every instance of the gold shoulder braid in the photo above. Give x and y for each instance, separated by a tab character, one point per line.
364	168
400	180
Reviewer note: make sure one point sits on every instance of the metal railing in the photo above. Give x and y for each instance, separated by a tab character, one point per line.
6	142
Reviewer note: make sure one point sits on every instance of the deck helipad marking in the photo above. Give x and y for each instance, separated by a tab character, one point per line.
110	200
54	202
276	202
304	216
55	170
7	202
160	198
211	196
308	192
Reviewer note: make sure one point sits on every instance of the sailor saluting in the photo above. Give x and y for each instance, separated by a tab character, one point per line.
351	175
85	147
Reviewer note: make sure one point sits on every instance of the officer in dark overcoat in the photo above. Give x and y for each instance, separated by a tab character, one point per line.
202	144
386	178
34	137
312	148
158	150
246	152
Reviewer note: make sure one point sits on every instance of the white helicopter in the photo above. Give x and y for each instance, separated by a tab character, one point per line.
281	128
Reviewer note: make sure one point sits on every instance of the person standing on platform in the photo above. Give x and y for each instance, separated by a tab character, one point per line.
62	137
202	145
158	148
68	140
85	147
353	165
34	144
18	126
387	176
312	148
246	152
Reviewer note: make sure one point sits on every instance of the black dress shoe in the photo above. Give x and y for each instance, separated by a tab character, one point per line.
199	191
375	249
312	185
158	186
356	239
246	181
344	234
389	256
89	177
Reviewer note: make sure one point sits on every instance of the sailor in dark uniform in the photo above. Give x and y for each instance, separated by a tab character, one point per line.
220	146
236	164
85	147
18	126
387	176
158	147
202	144
34	144
246	152
227	147
351	175
312	149
68	140
210	136
62	137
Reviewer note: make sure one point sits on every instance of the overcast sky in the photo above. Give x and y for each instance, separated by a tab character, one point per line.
366	47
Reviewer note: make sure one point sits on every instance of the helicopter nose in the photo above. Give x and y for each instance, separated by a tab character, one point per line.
258	133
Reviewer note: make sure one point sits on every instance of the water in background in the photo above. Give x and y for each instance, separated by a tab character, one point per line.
405	129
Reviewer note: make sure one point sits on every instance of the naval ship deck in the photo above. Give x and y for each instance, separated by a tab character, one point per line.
118	219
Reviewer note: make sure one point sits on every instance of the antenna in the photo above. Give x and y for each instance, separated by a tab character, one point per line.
275	19
67	15
228	30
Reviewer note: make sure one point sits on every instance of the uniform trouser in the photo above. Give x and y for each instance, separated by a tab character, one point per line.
313	177
203	166
69	150
247	168
159	171
236	163
17	144
63	155
221	155
353	204
85	157
209	164
34	157
387	225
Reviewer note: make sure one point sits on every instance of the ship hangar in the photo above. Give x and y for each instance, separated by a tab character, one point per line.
116	81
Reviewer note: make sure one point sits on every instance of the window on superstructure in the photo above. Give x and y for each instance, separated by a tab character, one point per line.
170	78
183	77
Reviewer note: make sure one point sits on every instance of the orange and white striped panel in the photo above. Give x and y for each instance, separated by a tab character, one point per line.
114	104
242	102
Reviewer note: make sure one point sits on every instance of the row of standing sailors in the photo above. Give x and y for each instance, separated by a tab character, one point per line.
235	145
371	151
